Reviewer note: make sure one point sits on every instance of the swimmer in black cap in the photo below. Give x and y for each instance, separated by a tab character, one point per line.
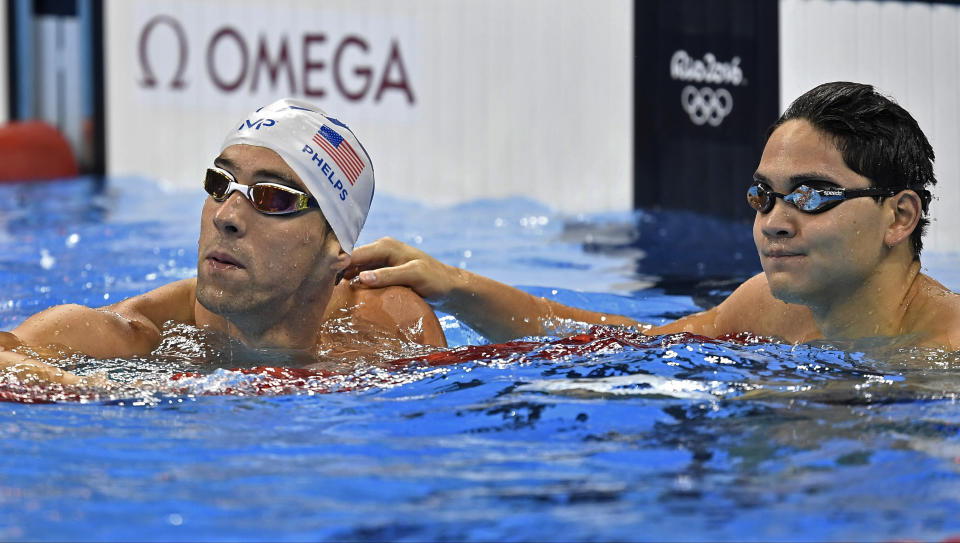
289	194
841	195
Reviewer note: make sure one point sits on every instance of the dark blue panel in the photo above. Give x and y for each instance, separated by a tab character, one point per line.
706	87
61	8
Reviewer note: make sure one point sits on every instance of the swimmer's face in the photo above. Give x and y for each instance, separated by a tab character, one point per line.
815	259
251	264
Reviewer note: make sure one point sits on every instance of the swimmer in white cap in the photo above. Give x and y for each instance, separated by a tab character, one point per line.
289	194
841	195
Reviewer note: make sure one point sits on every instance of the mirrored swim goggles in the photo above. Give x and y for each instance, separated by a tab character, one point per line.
811	200
267	198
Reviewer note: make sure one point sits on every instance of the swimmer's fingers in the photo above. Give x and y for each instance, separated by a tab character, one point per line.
388	262
415	275
385	252
370	256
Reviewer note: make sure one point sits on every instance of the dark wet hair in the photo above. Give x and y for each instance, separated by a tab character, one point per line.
877	138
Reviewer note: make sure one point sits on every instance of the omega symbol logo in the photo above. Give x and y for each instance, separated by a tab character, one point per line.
705	105
149	79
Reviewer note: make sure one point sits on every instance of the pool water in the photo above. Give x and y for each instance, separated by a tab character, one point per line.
588	434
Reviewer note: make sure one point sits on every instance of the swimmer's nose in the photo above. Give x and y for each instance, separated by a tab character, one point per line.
230	217
779	222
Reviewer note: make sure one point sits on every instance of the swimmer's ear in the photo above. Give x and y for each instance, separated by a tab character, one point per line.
906	210
341	265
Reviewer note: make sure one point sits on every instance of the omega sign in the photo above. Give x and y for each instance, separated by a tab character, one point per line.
711	103
312	64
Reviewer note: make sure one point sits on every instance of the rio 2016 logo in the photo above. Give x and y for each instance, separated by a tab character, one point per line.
272	57
706	105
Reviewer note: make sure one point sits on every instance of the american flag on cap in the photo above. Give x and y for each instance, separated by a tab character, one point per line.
340	151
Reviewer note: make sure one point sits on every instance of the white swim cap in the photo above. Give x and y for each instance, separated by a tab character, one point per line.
326	155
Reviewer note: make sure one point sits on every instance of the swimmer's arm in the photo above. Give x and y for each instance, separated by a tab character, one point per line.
130	327
495	310
500	312
31	371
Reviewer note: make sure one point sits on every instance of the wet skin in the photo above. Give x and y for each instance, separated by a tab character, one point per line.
815	259
258	271
267	281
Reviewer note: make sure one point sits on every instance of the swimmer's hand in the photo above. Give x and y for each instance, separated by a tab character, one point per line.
26	370
497	311
388	262
29	371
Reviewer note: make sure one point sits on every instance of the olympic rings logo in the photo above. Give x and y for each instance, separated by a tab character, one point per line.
706	105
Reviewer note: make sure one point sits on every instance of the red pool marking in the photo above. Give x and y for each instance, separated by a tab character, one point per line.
597	339
48	393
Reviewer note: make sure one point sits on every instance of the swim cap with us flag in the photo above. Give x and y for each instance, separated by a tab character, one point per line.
323	152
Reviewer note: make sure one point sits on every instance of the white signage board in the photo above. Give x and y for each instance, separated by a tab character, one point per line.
453	100
909	51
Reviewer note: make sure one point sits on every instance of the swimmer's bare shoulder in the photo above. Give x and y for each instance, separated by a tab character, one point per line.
933	315
172	302
750	308
127	328
393	308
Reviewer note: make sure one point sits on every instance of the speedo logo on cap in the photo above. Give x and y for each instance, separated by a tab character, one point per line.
341	152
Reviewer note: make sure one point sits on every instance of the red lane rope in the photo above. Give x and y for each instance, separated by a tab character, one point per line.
281	380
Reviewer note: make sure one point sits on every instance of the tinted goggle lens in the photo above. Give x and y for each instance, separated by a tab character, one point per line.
216	183
265	197
804	198
759	198
809	200
273	199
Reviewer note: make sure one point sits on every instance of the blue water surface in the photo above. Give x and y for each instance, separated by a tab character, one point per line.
675	439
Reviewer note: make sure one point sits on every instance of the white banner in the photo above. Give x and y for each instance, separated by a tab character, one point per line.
191	59
908	50
453	100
